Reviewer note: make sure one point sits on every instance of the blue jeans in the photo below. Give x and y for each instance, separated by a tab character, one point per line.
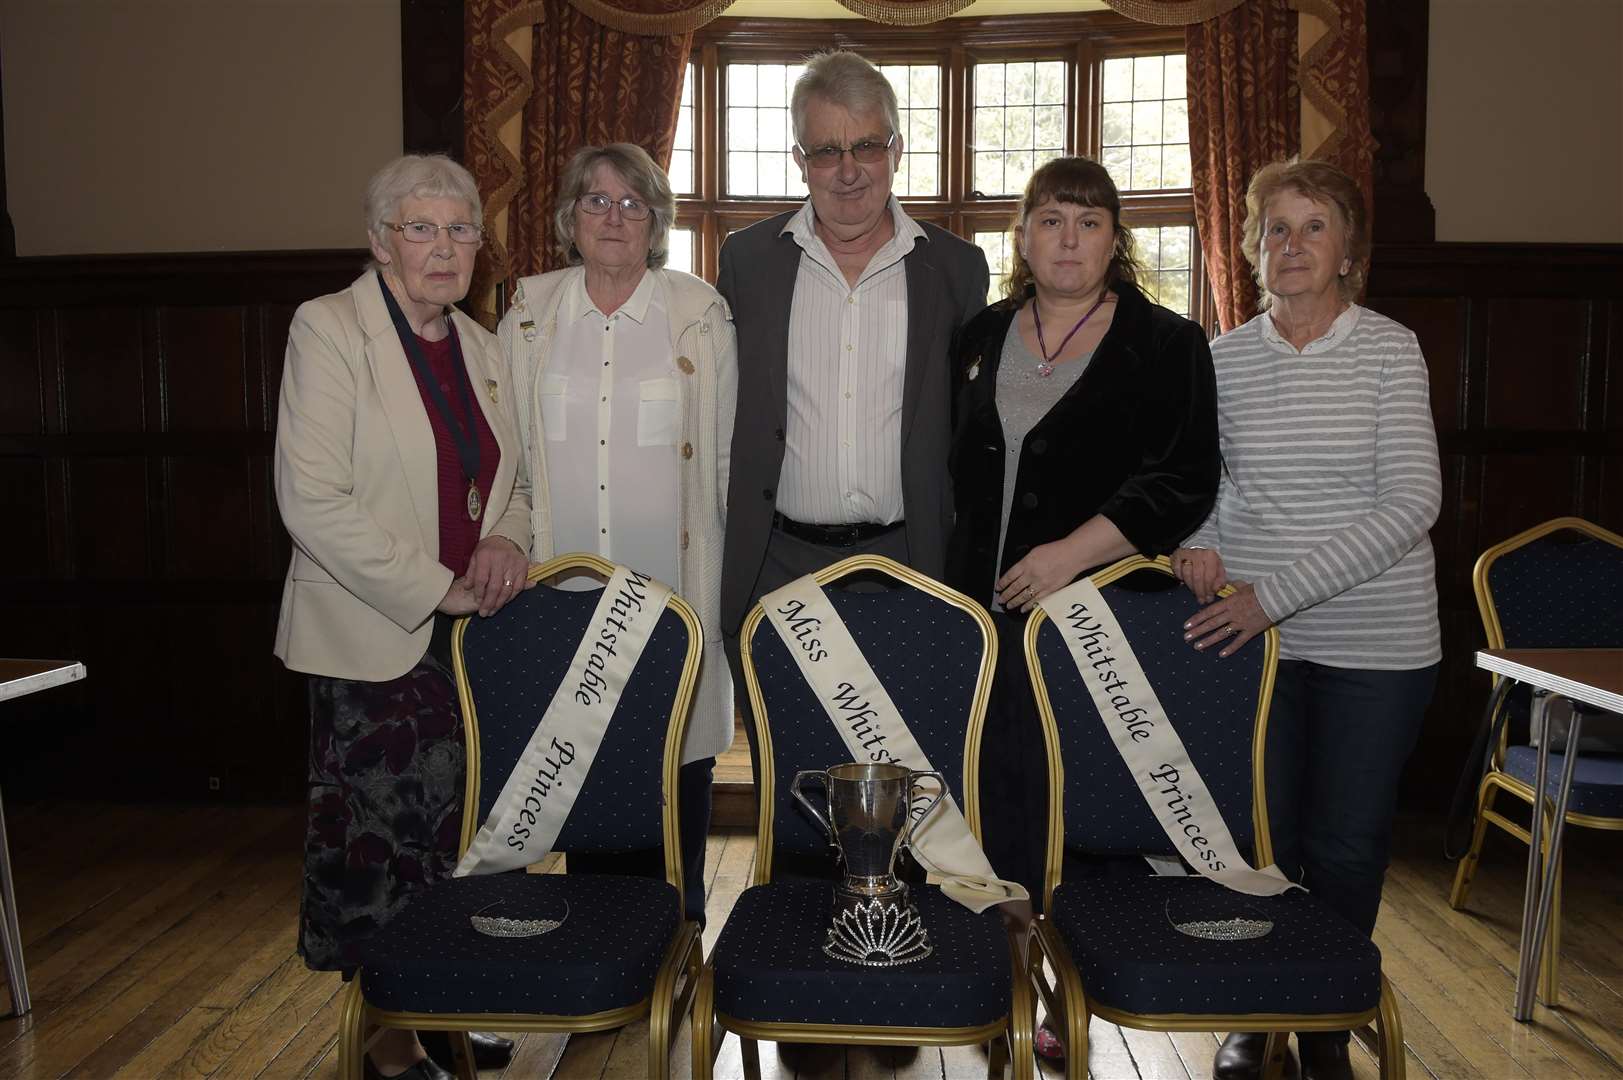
1338	739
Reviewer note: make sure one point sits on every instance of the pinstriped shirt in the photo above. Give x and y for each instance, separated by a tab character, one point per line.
842	460
1330	484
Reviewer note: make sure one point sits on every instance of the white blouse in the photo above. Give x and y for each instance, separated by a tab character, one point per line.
613	421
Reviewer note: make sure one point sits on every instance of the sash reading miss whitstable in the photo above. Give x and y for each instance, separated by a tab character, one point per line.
874	731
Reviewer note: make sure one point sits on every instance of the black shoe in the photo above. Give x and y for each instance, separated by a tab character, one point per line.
489	1051
1240	1056
1324	1056
425	1069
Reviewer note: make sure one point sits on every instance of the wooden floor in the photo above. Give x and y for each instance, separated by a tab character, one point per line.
160	941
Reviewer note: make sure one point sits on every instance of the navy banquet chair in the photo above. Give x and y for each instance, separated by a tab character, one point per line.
1110	937
767	978
624	950
1558	585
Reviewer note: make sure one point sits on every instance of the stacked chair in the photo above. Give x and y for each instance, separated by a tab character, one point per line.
624	950
1558	585
767	977
1109	938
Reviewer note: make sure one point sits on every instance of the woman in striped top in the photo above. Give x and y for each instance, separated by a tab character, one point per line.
1330	484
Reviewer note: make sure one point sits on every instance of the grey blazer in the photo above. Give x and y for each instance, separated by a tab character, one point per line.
946	285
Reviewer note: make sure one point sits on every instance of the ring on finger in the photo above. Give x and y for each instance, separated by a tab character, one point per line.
507	584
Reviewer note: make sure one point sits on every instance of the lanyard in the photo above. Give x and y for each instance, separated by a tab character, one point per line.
466	438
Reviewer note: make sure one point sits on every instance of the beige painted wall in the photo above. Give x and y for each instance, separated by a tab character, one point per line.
195	125
1524	120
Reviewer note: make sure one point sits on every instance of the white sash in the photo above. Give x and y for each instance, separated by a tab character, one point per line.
536	799
1144	737
874	731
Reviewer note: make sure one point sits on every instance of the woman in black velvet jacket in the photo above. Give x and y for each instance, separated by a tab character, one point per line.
1110	439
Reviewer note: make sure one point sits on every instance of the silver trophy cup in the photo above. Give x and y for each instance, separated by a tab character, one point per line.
867	816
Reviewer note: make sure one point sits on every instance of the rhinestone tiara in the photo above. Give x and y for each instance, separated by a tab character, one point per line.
499	926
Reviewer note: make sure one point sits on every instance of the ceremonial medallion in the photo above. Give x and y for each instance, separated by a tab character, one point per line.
476	505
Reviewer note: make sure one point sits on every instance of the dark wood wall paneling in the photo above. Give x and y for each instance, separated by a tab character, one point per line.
138	529
1525	347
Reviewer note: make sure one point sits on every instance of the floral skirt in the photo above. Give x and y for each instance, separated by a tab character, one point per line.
387	771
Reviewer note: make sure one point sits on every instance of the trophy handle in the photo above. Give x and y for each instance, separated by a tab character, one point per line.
794	789
913	822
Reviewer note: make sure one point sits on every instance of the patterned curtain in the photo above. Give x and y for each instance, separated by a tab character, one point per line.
1264	84
544	77
1244	111
1333	41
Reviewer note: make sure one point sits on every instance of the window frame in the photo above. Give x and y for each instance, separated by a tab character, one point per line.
1083	40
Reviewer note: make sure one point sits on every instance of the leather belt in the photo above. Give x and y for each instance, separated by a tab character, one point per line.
832	535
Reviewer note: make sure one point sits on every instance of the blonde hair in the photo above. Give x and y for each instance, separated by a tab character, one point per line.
1082	182
641	175
1323	183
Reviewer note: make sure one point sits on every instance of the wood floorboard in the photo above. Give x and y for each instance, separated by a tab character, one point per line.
172	955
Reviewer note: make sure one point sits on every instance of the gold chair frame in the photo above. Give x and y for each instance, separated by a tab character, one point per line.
667	1003
1067	1000
1498	780
1018	1024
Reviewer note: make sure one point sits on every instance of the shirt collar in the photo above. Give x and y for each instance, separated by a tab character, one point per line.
802	226
578	304
1343	326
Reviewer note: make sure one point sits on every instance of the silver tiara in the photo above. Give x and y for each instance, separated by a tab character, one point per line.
1239	928
499	926
878	934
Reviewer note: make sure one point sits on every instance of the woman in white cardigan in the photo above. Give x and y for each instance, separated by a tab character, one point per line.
627	376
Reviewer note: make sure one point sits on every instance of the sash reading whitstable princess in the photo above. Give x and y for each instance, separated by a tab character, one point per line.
873	731
534	803
1144	737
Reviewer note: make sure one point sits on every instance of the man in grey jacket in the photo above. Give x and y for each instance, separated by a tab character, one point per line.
846	311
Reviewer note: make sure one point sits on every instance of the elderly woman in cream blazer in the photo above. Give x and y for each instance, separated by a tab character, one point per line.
626	378
401	480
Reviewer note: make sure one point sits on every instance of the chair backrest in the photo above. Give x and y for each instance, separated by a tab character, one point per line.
508	668
1217	705
1558	585
932	649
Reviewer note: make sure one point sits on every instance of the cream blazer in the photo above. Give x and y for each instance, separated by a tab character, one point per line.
707	386
357	483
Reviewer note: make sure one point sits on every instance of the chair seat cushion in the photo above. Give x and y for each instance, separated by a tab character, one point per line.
770	966
1120	933
1597	779
604	956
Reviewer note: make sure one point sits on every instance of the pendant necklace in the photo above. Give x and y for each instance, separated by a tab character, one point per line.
464	430
1045	366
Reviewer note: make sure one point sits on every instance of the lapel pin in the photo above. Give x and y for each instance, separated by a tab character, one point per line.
495	394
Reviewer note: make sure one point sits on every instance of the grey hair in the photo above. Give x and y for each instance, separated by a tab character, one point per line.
426	176
646	179
843	78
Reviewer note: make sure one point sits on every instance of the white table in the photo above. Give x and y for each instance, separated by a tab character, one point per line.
19	677
1593	677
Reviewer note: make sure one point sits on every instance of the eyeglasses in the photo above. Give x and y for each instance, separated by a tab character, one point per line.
868	152
424	232
632	209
